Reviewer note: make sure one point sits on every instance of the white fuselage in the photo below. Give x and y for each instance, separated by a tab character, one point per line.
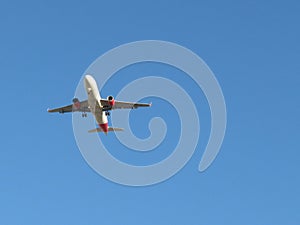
94	102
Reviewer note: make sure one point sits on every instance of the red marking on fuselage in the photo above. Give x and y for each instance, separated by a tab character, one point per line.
111	102
104	127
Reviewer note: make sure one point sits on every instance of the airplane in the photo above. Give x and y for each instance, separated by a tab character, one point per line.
99	107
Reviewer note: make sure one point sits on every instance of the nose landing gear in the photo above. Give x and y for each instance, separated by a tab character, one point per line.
84	114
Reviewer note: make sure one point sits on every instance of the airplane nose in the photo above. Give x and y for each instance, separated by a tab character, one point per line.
87	81
87	77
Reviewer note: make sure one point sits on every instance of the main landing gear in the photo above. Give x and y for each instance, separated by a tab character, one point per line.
107	113
84	114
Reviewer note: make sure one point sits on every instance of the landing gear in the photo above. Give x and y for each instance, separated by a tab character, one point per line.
107	113
84	114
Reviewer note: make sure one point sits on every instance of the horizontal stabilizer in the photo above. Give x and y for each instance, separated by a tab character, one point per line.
109	129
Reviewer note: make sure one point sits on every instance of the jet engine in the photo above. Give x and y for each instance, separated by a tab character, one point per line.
111	100
76	103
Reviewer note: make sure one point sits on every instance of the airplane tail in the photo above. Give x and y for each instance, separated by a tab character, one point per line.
109	129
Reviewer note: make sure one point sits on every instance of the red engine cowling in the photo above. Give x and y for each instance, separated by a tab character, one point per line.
76	103
111	100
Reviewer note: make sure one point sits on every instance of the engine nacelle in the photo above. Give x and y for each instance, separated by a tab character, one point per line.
111	100
76	103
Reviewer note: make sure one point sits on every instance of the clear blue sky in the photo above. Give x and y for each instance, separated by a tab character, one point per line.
252	47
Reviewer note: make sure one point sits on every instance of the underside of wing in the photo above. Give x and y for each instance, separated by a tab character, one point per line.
75	107
122	105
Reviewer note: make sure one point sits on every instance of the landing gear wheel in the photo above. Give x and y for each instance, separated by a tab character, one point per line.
107	113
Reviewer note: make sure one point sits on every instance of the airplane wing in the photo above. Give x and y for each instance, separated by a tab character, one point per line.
122	105
79	107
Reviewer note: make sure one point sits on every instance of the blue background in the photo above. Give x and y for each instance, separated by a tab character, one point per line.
253	49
